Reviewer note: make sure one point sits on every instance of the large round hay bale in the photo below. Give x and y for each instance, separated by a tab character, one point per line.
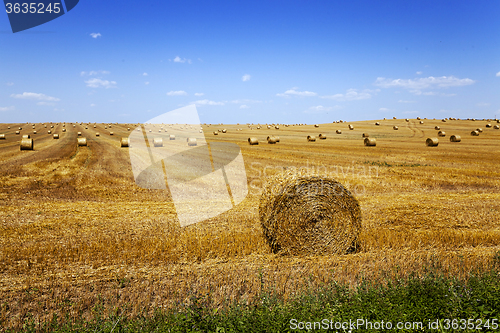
192	142
8	127
124	142
2	136
421	122
277	127
49	132
394	118
311	138
224	130
272	139
82	142
172	137
407	120
474	133
216	133
56	136
316	125
64	130
437	128
17	132
338	131
370	142
26	144
253	141
97	134
26	136
496	127
351	127
480	130
443	120
366	135
20	128
322	137
431	142
441	133
111	133
455	138
418	118
158	142
303	214
395	128
377	123
488	125
79	133
105	127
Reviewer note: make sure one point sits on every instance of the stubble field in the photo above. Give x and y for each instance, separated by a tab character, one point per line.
77	233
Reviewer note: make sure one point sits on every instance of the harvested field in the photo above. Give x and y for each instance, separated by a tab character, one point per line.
77	232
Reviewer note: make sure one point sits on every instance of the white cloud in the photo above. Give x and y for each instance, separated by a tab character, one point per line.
294	92
178	59
40	97
409	112
423	83
7	108
92	105
243	101
83	73
207	102
199	94
45	103
419	73
244	106
177	93
352	95
483	104
146	83
10	83
97	83
402	101
321	109
245	77
430	93
383	109
95	35
498	74
145	74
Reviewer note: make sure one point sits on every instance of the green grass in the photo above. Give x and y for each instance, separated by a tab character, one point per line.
415	299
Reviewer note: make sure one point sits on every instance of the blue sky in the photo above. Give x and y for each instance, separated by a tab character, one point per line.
254	61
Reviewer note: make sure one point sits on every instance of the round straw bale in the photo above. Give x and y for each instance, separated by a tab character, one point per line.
432	142
55	136
111	133
125	142
322	137
216	133
95	126
128	128
105	127
26	144
158	142
351	127
474	133
365	135
253	141
20	128
268	126
277	127
496	127
394	118
79	133
73	126
441	133
17	132
407	120
418	118
2	136
97	134
455	138
371	142
395	128
316	125
437	128
224	130
303	214
480	130
150	131
82	142
64	130
26	136
172	137
443	120
377	123
192	142
272	139
8	127
311	138
338	131
488	125
421	121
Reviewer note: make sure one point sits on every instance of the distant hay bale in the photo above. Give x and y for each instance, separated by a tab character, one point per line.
455	138
370	142
418	118
437	128
277	127
34	132
311	138
95	126
82	142
97	134
395	128
124	142
20	128
111	133
49	132
172	137
394	118
17	132
421	122
407	120
56	136
488	125
258	127
322	137
26	136
316	125
8	127
224	130
64	130
303	214
441	133
351	127
268	126
474	133
158	142
272	139
480	130
365	135
216	133
192	142
431	142
79	133
377	123
253	141
26	144
443	120
496	127
338	131
128	128
2	136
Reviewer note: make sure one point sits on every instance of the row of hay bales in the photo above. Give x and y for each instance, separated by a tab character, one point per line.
158	142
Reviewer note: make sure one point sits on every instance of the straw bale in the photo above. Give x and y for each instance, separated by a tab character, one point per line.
455	138
158	142
82	142
432	142
370	142
253	141
311	138
26	144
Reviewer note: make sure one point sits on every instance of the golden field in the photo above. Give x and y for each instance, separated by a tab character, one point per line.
76	231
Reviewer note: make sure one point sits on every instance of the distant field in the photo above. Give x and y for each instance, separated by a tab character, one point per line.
76	231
